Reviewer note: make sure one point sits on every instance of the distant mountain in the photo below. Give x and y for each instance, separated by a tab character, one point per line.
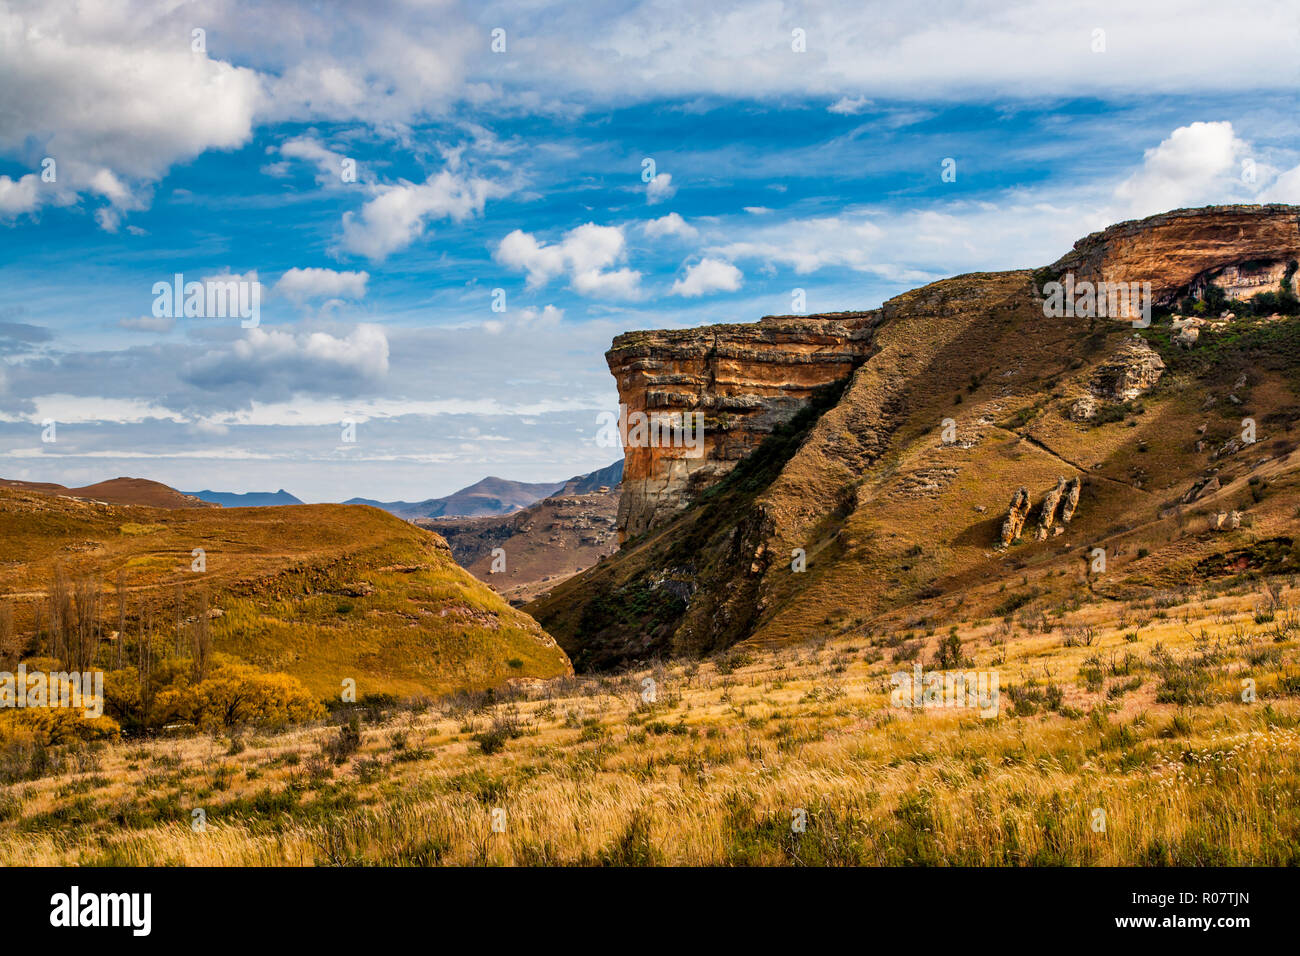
607	478
251	499
491	496
545	543
118	491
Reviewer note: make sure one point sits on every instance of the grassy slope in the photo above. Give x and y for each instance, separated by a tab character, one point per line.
292	584
1147	724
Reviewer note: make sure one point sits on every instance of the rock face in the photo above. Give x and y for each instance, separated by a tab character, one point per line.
1239	248
1070	501
743	379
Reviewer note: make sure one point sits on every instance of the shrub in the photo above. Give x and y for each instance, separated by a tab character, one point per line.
346	743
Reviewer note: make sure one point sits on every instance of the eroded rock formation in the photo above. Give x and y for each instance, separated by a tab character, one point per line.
744	379
1054	512
1016	516
1134	369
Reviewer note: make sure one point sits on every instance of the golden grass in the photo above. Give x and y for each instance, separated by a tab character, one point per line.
714	771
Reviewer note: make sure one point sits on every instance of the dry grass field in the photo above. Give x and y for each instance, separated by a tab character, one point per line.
1131	710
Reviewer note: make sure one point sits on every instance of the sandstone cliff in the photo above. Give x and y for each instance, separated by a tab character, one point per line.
743	379
893	482
1244	249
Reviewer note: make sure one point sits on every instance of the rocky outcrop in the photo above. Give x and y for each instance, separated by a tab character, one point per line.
1016	515
743	380
1070	501
1239	248
1226	520
1054	512
1133	370
1047	512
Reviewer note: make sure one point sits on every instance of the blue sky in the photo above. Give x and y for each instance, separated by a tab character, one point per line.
524	170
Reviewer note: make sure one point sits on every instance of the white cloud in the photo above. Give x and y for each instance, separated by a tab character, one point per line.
708	275
397	214
296	361
299	285
18	196
530	319
115	95
807	245
586	253
1030	48
328	163
660	189
115	89
850	105
1285	188
1193	166
669	225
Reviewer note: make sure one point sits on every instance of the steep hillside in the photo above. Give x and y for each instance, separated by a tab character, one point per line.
322	592
896	490
118	491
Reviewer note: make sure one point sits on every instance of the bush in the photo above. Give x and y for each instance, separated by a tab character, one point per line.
346	743
949	652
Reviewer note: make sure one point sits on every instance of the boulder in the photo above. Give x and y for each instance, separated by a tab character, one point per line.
1132	370
1084	409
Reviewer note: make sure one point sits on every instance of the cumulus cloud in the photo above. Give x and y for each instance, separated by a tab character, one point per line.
708	275
329	164
19	196
292	362
587	254
397	214
669	225
116	96
1285	188
300	285
660	188
1193	166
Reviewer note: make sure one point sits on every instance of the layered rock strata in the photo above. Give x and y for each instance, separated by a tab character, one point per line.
740	380
1242	249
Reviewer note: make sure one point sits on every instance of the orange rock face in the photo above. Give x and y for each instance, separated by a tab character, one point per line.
740	381
1240	248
